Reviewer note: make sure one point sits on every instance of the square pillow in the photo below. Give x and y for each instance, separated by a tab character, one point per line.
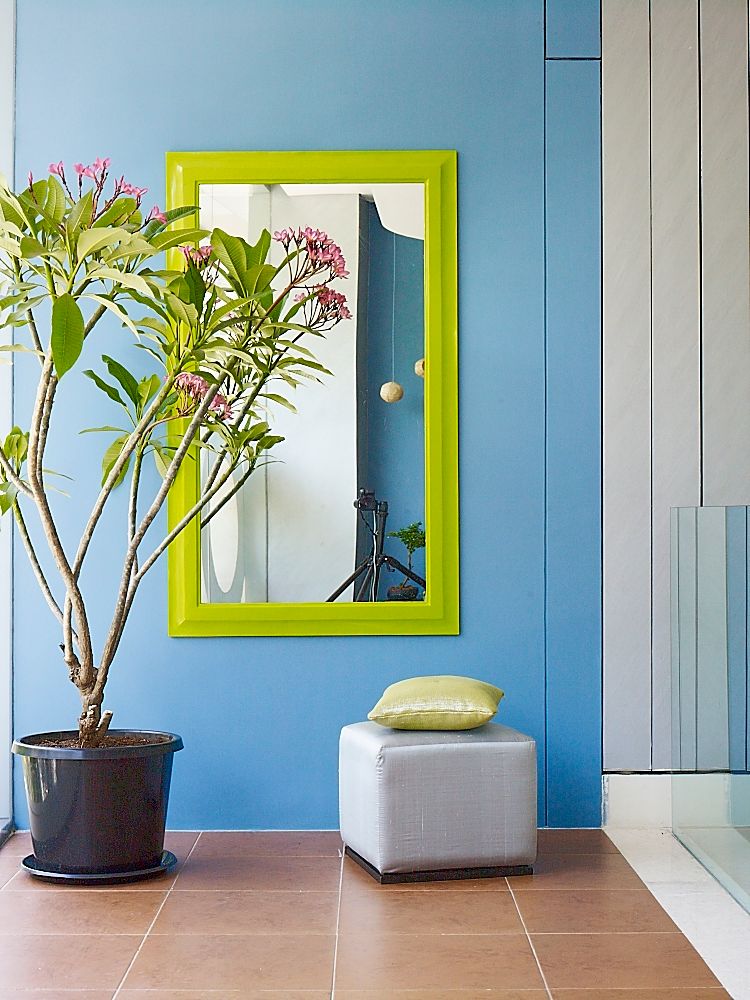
440	702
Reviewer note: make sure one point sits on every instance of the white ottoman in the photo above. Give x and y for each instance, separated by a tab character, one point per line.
416	806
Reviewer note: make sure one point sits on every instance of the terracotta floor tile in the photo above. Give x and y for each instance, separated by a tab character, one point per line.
468	912
435	961
716	993
18	845
67	960
627	961
282	843
356	876
578	871
56	994
223	962
322	874
180	842
442	995
576	912
575	842
224	995
22	881
248	913
64	912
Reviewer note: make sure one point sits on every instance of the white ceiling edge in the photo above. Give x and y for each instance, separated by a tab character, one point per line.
400	206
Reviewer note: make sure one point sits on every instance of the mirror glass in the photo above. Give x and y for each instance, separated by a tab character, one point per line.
316	522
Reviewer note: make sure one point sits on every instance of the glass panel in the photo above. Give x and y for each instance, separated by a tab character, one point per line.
315	520
710	709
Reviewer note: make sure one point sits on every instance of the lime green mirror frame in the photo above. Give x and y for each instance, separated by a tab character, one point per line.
437	614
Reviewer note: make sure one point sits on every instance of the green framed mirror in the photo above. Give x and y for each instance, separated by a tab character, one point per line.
351	526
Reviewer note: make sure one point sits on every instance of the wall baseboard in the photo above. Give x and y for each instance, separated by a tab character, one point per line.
637	801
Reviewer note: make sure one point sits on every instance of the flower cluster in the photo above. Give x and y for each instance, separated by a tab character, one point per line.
196	387
197	255
98	172
320	248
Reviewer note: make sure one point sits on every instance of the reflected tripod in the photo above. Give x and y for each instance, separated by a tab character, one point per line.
377	558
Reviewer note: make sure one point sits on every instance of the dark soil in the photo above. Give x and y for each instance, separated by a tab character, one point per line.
110	740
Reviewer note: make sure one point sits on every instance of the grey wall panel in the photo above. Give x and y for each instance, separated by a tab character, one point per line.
687	596
627	384
726	263
712	714
675	317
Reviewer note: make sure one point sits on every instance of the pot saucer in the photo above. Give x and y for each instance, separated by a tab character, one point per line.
32	866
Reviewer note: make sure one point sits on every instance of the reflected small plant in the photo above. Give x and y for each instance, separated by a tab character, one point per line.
413	538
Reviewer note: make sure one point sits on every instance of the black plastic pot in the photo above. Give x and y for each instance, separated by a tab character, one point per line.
97	814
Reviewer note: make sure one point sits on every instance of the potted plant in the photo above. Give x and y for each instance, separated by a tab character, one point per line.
219	335
413	537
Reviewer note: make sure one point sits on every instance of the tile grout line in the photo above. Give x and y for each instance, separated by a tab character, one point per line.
528	938
156	917
338	920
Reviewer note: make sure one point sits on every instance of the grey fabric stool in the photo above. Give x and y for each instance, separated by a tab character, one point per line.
417	806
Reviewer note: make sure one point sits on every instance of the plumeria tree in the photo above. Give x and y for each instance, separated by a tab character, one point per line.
223	334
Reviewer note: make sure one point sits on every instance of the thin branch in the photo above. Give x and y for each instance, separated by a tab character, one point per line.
228	496
10	475
169	478
35	564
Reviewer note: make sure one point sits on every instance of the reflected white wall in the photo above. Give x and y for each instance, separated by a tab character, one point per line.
290	534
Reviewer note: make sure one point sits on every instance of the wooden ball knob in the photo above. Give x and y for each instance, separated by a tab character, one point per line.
391	392
419	368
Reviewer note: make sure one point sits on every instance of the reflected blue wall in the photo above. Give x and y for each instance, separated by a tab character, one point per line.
395	341
260	717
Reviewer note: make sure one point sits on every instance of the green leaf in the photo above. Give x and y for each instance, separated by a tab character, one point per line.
55	203
165	241
257	254
123	376
118	311
97	430
8	494
66	341
110	390
184	312
117	213
231	252
196	287
20	349
31	248
91	240
258	278
148	388
154	227
280	400
110	457
160	459
80	215
124	278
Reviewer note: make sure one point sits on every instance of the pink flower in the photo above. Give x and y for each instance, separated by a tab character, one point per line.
88	172
31	179
196	255
157	215
100	164
333	304
196	387
79	168
57	168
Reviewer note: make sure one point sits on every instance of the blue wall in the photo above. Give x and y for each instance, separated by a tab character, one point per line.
260	717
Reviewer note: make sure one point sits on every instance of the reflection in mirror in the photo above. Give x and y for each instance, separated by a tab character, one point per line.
337	511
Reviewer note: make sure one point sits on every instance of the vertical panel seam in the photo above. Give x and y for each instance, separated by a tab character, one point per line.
546	443
651	372
700	256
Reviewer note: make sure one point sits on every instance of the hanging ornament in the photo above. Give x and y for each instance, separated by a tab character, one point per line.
419	367
391	392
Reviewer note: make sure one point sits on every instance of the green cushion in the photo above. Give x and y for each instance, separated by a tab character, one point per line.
440	702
